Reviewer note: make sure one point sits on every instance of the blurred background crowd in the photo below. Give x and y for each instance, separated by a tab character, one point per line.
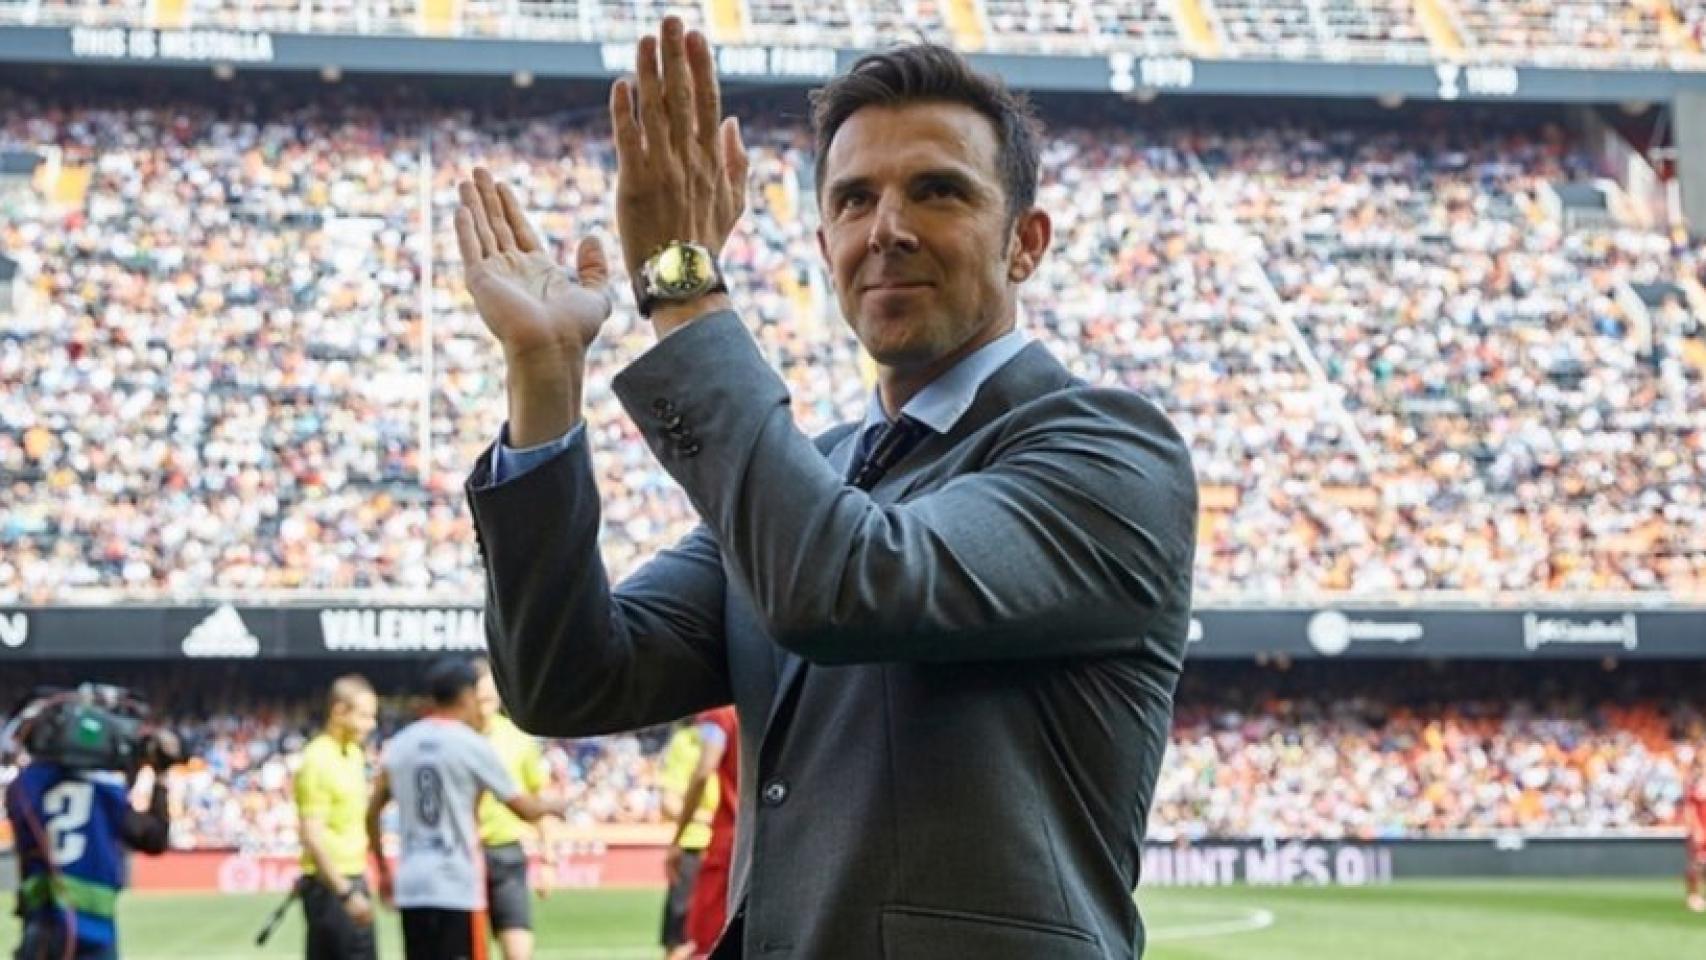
1319	751
241	359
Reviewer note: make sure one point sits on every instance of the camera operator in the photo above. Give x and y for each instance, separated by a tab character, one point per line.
72	822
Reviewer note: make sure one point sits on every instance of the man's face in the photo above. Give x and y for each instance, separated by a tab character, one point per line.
358	716
915	232
487	692
468	708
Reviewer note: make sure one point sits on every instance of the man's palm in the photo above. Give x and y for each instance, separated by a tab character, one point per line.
529	302
527	299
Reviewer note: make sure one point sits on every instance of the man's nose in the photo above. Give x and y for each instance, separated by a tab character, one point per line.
890	230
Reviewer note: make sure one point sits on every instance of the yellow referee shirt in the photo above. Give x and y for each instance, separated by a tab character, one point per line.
680	759
526	765
331	786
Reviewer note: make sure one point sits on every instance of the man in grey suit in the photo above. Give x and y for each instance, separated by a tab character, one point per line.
952	632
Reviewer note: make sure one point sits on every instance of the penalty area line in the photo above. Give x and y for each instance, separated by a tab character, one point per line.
1249	922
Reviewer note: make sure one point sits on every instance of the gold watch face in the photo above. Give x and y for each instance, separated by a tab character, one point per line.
682	268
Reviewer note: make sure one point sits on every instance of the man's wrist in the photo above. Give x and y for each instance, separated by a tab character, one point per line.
544	396
670	317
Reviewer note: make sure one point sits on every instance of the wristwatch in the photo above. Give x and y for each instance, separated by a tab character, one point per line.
675	273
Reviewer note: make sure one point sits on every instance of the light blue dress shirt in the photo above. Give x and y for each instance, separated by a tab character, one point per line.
944	400
938	406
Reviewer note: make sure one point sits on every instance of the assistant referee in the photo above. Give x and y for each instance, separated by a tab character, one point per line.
331	807
501	831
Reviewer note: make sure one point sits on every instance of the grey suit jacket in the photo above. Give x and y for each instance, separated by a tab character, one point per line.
954	690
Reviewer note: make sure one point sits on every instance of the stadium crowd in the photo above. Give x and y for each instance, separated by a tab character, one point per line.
235	791
1398	368
1362	768
1573	32
1240	764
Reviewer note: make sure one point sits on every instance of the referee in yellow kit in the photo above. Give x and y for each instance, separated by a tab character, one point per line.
680	760
507	895
331	807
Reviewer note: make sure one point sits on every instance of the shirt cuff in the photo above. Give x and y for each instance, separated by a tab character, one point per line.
510	462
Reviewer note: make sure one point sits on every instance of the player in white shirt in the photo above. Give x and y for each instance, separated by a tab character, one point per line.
436	769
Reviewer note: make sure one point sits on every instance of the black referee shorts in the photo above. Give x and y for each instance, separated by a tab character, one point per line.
675	904
508	900
433	934
332	935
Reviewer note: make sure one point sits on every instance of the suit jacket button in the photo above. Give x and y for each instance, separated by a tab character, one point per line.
688	449
662	407
775	793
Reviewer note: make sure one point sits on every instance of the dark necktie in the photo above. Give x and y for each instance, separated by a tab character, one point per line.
873	459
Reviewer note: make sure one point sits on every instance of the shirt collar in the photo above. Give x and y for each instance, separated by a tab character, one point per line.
945	399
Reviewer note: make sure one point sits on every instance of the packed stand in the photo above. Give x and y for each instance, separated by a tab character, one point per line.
1523	437
1349	29
801	22
1358	767
1564	32
1319	751
1395	371
212	381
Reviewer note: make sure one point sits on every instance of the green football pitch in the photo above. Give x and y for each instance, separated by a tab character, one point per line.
1480	920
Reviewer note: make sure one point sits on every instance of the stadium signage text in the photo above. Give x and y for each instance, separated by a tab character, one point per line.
14	629
1538	631
1487	80
201	46
391	630
1331	632
738	61
344	629
1212	864
1127	73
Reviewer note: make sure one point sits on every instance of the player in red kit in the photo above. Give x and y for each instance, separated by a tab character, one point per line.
1694	822
719	763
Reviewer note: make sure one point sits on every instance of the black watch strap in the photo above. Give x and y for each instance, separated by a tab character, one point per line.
649	302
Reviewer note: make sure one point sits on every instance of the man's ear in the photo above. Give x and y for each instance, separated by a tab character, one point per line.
1031	235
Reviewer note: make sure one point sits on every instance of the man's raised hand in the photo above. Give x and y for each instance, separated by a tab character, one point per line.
529	302
681	166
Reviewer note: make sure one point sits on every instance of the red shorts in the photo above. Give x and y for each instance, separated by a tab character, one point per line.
709	905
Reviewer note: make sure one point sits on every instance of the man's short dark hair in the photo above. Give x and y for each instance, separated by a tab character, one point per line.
447	679
930	73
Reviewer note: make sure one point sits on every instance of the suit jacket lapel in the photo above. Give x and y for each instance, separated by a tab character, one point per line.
1033	373
792	667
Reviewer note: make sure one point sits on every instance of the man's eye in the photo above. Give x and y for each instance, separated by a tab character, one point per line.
853	201
941	189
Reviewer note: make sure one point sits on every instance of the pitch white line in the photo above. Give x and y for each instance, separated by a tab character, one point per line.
1252	921
561	953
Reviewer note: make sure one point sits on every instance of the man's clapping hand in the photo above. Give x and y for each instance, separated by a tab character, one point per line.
544	317
681	166
527	299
